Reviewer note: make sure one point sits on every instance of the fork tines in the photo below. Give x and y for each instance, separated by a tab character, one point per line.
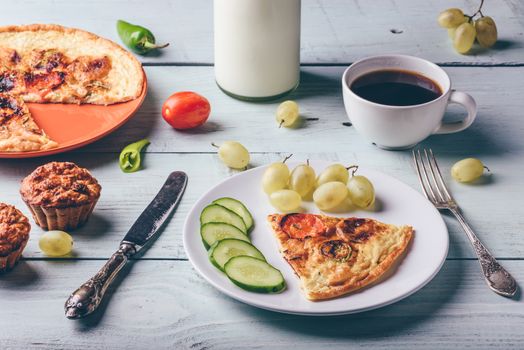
431	179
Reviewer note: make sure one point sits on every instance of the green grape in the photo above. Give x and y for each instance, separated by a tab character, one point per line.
464	37
233	154
467	170
451	33
451	18
285	200
276	177
486	31
361	191
334	172
329	195
287	113
302	179
55	243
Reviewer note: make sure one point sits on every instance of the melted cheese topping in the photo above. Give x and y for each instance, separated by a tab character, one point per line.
124	79
50	63
326	273
18	131
348	255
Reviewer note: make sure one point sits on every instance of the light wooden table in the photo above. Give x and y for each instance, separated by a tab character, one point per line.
163	303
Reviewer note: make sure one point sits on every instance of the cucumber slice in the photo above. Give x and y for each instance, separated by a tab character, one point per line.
238	207
254	275
218	213
213	232
223	250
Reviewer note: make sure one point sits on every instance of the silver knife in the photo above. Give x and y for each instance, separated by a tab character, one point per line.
87	298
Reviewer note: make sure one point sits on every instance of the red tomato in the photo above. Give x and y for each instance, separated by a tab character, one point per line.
186	110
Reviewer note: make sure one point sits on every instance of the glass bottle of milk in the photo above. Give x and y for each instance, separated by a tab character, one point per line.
257	47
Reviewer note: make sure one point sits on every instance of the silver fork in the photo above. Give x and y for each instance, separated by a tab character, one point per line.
435	190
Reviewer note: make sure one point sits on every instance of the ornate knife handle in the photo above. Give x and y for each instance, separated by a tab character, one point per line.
88	297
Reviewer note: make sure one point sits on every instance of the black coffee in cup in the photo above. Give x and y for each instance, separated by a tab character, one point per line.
396	88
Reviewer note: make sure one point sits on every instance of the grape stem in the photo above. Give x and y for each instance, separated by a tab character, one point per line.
485	167
479	11
354	169
214	145
281	122
286	158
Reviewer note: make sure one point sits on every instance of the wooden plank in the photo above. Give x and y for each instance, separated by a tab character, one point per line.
164	302
167	304
497	130
333	31
494	209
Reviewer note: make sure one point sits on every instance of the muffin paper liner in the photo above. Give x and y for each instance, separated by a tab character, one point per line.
9	261
61	218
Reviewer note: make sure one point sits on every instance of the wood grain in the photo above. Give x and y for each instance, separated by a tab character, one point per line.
163	303
496	131
124	196
333	31
493	208
167	304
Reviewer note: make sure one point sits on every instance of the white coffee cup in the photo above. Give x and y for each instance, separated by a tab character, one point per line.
401	127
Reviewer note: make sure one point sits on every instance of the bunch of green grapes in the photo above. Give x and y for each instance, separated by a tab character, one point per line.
334	185
287	188
464	29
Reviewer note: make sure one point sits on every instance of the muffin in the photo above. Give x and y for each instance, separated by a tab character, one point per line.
60	195
14	234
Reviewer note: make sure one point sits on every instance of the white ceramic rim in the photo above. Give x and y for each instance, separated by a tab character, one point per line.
193	258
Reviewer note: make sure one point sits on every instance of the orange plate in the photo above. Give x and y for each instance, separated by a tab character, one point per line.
74	126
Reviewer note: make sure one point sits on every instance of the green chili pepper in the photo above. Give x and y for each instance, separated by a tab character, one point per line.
130	156
137	38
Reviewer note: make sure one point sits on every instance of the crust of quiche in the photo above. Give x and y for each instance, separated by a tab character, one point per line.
126	76
375	248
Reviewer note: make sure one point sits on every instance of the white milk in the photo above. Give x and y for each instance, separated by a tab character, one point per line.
257	47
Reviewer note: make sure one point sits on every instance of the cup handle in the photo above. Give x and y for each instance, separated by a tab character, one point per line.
469	103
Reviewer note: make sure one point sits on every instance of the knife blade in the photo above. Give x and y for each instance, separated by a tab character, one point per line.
157	211
86	299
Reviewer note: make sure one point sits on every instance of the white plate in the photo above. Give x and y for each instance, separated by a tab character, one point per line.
400	205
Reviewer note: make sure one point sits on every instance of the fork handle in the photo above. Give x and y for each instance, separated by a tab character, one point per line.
497	278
